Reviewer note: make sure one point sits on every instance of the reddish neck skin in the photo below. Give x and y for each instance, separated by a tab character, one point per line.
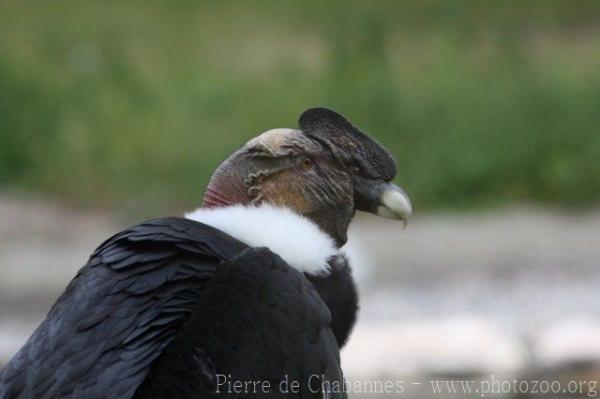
224	192
212	199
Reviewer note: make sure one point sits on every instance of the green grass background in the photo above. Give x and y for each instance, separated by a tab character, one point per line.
133	104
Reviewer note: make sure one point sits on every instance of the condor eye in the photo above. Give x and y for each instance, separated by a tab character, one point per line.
306	162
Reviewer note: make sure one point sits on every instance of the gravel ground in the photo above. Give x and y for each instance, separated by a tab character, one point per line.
507	294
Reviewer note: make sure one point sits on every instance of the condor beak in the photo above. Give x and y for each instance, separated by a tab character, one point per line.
395	204
382	198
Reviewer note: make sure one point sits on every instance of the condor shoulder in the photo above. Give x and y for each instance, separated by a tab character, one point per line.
119	313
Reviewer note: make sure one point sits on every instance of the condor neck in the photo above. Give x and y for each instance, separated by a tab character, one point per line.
299	241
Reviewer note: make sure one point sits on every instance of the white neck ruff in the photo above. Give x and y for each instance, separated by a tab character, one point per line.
295	238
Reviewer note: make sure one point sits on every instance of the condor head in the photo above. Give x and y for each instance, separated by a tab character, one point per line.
325	171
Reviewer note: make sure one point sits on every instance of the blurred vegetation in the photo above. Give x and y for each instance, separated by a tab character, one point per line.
134	104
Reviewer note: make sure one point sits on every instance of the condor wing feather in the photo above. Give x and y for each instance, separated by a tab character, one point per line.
119	313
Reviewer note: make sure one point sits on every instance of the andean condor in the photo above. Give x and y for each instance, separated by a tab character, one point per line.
249	289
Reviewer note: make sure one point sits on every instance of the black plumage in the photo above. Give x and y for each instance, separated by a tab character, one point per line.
163	307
